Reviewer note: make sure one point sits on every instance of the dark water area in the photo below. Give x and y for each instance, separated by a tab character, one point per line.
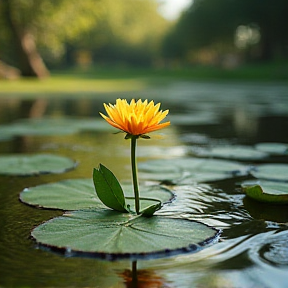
252	251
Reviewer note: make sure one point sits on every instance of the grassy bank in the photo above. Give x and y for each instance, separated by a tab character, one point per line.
117	79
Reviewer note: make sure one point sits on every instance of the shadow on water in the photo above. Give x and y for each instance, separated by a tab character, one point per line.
255	236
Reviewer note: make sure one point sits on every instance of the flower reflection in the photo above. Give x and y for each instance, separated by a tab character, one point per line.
142	279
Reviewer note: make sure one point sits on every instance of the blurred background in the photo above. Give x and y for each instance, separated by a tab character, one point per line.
201	37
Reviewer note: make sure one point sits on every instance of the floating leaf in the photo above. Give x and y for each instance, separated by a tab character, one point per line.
201	118
5	135
180	170
109	189
39	127
273	148
150	210
33	164
230	152
267	191
52	126
112	235
74	194
276	172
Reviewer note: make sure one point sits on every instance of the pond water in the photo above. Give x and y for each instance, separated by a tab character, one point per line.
252	251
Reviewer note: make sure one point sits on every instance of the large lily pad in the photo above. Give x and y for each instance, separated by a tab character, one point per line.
186	170
276	172
113	235
267	191
231	152
33	164
74	194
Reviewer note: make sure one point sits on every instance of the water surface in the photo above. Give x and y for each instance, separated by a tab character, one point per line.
253	248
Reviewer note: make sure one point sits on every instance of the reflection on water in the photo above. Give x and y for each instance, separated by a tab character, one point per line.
254	239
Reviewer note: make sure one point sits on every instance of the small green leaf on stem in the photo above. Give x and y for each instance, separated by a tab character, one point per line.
150	210
109	189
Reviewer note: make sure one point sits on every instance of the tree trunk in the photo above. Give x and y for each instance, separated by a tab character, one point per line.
29	59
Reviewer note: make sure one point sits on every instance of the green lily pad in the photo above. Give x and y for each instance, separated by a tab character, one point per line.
74	194
267	191
5	136
186	170
38	127
112	235
276	172
34	164
231	152
52	126
273	148
194	119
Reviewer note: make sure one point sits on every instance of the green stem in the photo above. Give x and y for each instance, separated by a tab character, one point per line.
134	173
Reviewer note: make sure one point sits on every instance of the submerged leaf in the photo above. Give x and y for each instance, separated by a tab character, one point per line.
109	189
111	235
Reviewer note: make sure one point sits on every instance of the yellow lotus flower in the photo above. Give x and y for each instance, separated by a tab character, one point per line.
136	118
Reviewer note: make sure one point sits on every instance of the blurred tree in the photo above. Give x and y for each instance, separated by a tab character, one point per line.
48	23
128	31
208	23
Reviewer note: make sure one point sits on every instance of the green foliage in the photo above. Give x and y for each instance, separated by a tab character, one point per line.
212	24
115	30
111	194
127	31
109	189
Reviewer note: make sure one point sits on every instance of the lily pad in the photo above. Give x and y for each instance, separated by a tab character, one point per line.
38	127
113	235
5	136
74	194
231	152
275	172
191	169
201	118
267	191
52	126
34	164
273	148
